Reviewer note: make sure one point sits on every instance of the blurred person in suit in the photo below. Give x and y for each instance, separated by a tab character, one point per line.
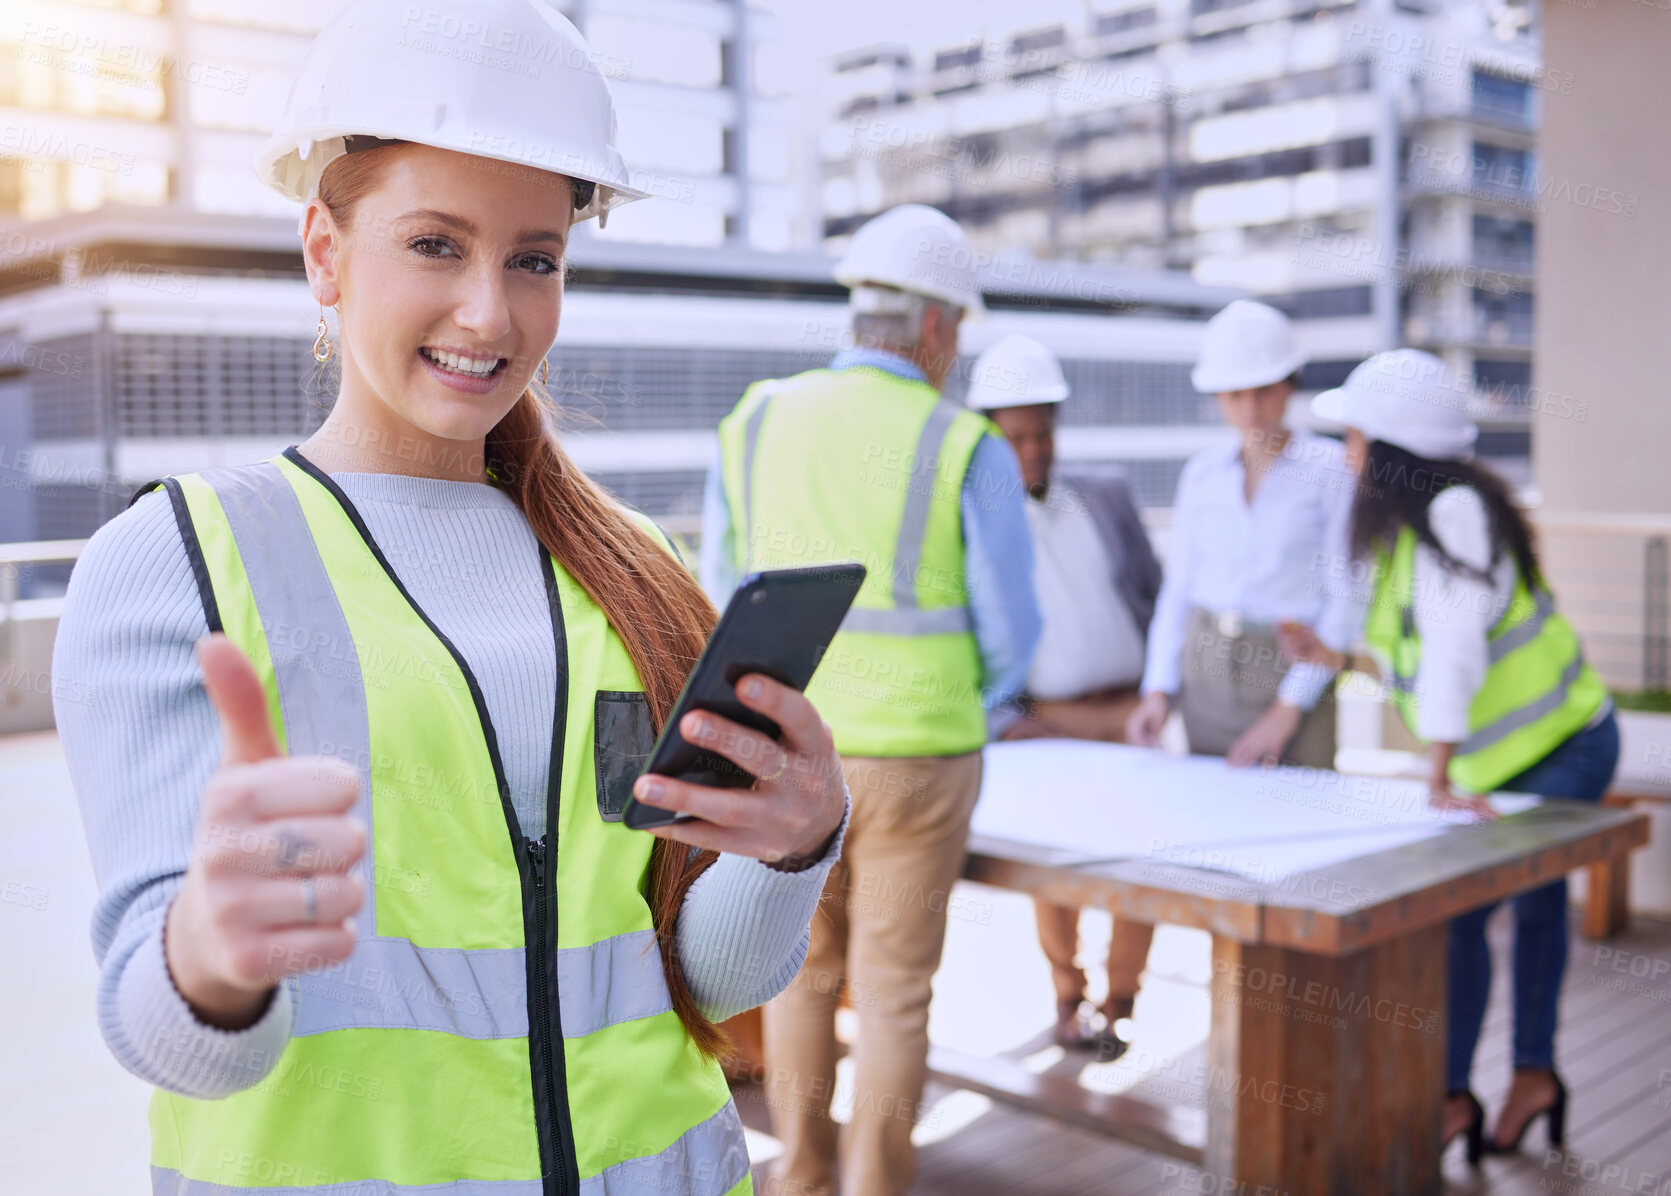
1096	578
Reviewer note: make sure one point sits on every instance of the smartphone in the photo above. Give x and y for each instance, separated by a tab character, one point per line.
778	623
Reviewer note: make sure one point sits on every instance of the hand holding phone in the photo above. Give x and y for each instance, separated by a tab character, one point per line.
745	764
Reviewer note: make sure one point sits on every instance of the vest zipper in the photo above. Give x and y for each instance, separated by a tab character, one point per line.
552	1122
545	1022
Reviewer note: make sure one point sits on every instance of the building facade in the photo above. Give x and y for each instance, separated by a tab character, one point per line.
1369	167
134	345
165	102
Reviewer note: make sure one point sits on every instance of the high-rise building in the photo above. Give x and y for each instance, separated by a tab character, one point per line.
165	103
1367	166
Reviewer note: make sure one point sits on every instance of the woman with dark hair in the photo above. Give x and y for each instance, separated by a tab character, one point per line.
1484	669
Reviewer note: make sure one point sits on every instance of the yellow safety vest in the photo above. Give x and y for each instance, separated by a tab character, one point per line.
1538	690
503	1025
861	464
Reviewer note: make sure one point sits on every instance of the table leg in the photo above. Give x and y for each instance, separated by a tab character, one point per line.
1607	899
1326	1073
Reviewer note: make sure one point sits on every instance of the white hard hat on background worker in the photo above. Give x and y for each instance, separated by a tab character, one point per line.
912	248
374	74
1016	371
1245	346
1406	398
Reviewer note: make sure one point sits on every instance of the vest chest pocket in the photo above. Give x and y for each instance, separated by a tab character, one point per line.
624	738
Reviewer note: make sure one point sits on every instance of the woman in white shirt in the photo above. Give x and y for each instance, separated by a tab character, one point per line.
1485	670
1256	525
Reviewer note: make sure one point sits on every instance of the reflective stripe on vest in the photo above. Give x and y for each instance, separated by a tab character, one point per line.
1538	689
410	1063
710	1157
474	993
864	465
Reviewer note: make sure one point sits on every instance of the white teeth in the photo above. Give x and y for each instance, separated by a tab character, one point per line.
464	365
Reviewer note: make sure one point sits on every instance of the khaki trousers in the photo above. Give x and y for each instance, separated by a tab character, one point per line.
1099	717
880	929
1128	951
1229	681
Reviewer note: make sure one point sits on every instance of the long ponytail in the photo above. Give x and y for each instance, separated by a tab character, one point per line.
652	602
649	598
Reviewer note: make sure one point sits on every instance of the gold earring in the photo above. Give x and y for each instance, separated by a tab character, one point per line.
545	369
322	348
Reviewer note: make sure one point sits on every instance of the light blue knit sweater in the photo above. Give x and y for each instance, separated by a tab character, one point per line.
141	740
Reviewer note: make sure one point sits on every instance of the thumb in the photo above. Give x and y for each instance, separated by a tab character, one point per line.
239	700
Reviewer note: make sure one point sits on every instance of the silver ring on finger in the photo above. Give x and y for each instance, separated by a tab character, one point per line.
310	901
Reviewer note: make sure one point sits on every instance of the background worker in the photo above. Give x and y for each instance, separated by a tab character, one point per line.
1254	525
1096	578
348	708
1483	668
865	460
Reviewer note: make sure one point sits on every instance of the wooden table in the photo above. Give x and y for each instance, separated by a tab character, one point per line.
1326	1048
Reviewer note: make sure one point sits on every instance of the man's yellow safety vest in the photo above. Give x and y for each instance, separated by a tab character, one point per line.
503	1025
1538	690
862	464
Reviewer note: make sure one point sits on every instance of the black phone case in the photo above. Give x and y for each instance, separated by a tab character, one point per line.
778	623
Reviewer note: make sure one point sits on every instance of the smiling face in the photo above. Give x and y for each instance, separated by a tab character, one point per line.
449	273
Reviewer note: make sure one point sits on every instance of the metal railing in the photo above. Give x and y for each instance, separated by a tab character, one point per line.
1652	643
12	559
1649	643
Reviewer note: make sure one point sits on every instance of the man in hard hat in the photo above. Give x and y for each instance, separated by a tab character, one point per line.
864	460
1259	539
1096	578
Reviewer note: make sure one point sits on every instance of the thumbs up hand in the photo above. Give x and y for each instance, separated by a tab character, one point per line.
267	893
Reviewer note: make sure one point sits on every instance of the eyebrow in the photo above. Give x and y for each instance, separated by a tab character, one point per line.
468	227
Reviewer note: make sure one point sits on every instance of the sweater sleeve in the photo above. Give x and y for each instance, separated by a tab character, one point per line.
744	929
1453	612
141	739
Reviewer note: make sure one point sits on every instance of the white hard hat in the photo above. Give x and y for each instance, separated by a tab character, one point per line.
1408	398
510	80
1016	371
1246	345
914	248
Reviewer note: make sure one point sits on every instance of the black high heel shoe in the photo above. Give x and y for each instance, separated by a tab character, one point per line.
1475	1129
1557	1111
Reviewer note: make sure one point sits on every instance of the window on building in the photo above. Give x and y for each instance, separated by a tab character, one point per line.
1326	303
1514	305
127	80
1503	168
1498	95
1506	381
1039	39
1500	239
1123	22
1320	375
951	60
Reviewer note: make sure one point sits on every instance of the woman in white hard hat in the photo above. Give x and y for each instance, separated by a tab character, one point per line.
1253	525
1483	668
386	930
